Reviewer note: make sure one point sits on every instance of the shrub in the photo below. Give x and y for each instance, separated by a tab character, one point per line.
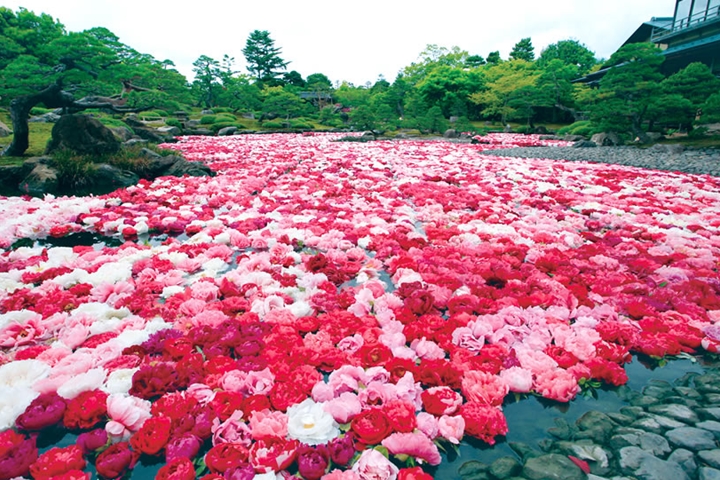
114	122
207	119
274	124
75	172
301	123
225	117
173	122
222	110
583	127
40	110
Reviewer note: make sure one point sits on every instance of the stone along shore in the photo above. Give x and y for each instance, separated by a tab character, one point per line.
658	157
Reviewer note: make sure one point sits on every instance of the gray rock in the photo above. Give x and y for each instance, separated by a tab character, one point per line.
473	470
620	418
655	136
636	462
42	180
562	429
5	130
633	412
170	131
707	473
708	382
50	117
147	153
505	467
711	457
227	131
108	178
609	139
122	133
552	467
644	401
679	412
82	134
207	112
584	144
712	413
650	442
194	169
450	133
685	459
712	398
658	389
523	450
691	438
688	392
191	124
666	422
134	141
711	426
649	424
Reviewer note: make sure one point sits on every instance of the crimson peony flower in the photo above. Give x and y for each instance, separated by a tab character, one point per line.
180	468
116	460
152	436
483	421
17	454
58	461
371	426
224	456
415	473
312	462
93	440
342	449
273	454
43	412
86	410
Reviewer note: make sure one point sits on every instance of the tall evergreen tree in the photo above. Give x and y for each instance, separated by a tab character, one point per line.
263	57
523	50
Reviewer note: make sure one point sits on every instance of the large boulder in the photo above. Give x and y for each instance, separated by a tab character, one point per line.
4	130
42	180
451	133
609	139
84	135
170	131
108	178
175	166
223	132
122	133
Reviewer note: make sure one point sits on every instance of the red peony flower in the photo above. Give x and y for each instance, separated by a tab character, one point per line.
272	454
17	454
225	456
415	473
177	469
45	411
401	415
371	426
116	460
441	401
483	421
58	461
86	410
152	436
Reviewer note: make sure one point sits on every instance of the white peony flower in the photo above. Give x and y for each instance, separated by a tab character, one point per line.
13	402
22	373
120	380
90	380
309	423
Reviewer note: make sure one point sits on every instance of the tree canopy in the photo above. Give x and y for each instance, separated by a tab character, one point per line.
263	57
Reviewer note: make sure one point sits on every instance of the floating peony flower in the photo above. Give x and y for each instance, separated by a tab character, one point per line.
309	423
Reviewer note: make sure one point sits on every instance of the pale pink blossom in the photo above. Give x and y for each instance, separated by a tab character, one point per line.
428	424
451	428
127	414
557	384
517	379
267	424
232	430
485	388
344	407
372	465
417	445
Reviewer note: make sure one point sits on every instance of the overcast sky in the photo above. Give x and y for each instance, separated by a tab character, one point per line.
352	41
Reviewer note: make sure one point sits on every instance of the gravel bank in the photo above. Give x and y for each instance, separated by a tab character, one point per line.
658	157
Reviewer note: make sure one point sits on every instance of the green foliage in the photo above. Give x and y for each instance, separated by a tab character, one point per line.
433	121
328	116
569	52
493	58
301	124
114	122
695	82
628	90
278	102
673	109
523	50
208	119
75	172
363	118
449	88
711	109
40	110
207	80
222	110
173	122
274	124
582	127
263	57
318	81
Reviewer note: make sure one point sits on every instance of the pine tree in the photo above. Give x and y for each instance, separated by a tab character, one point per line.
263	57
523	50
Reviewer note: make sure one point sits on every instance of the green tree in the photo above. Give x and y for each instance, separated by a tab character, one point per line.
293	78
318	81
450	89
555	81
208	75
364	118
569	52
493	58
263	57
629	89
433	121
523	50
240	94
432	57
278	102
695	82
474	61
510	90
711	108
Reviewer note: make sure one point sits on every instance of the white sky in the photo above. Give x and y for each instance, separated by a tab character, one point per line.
352	41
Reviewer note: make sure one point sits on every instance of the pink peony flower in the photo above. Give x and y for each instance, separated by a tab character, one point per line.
268	424
416	445
557	384
372	465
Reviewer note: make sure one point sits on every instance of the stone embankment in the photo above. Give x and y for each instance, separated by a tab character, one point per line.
659	157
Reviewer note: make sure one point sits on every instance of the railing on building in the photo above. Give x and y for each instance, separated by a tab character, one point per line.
698	19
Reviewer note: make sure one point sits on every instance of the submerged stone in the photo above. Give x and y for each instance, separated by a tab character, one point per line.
691	438
682	413
711	457
636	462
711	426
552	467
685	459
707	473
505	467
712	413
473	470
